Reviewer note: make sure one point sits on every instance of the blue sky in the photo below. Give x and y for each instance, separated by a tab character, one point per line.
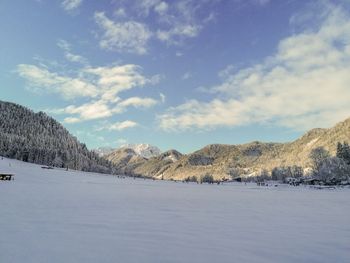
178	74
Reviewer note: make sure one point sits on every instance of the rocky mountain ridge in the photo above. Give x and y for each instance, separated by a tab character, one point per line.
144	150
224	161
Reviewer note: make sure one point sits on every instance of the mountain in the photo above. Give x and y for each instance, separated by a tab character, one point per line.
129	162
157	166
126	160
103	151
129	157
225	161
38	138
144	150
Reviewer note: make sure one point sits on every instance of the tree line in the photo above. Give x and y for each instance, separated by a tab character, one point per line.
38	138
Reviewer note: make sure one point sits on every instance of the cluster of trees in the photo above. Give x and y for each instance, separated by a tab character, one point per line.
331	169
343	151
282	173
193	179
37	138
206	178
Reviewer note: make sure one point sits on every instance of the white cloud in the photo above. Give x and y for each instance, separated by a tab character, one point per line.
100	85
115	79
181	21
305	84
179	31
89	111
63	44
70	5
173	23
75	58
161	8
120	12
138	102
130	36
144	7
40	78
71	120
104	82
66	47
226	72
101	109
119	126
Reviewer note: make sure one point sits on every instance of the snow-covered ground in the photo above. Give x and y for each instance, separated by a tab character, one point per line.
58	216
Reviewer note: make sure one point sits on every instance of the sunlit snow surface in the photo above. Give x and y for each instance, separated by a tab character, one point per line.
59	216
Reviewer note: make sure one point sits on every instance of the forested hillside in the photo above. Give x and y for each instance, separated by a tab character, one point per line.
38	138
227	161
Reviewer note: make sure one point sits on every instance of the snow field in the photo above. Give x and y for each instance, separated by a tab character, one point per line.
59	216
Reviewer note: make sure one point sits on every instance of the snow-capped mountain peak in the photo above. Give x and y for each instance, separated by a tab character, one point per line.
103	151
144	150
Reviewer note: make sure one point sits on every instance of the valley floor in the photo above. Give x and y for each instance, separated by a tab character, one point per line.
59	216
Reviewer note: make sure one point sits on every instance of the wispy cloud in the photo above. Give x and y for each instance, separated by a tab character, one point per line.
304	84
138	102
186	76
162	97
119	126
66	47
145	7
101	86
41	79
104	82
161	8
103	109
70	5
181	20
89	111
174	22
130	36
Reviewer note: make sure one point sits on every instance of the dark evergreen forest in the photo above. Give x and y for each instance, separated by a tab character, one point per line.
37	138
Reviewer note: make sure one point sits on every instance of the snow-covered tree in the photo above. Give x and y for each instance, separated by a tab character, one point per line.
38	138
318	155
333	170
343	151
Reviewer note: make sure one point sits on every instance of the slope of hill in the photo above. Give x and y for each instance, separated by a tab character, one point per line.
157	166
38	138
223	161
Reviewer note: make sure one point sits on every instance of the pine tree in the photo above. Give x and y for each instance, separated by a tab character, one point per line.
38	138
346	152
343	151
340	153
